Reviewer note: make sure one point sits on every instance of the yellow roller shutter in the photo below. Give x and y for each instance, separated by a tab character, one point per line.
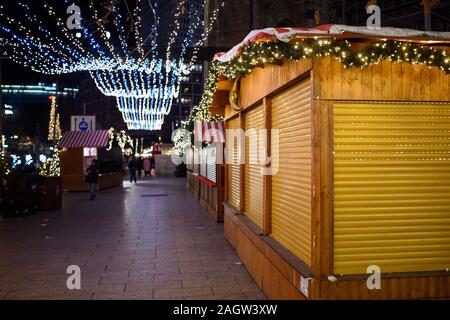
253	174
391	187
233	169
291	186
211	162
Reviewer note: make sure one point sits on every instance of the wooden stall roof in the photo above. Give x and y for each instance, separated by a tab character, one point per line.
357	36
337	32
87	139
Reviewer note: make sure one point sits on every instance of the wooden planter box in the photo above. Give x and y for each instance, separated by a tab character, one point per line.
50	194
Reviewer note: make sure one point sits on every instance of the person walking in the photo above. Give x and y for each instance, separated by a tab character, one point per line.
147	167
132	167
92	178
140	166
152	162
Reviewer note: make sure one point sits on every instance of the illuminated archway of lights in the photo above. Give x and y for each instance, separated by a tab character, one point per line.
143	81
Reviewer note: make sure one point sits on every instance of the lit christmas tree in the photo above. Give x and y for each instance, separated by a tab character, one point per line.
51	167
54	128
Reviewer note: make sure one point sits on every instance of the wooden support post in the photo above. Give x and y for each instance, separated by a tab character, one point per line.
220	180
242	166
267	179
322	185
225	173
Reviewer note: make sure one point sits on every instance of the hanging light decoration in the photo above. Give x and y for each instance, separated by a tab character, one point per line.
143	82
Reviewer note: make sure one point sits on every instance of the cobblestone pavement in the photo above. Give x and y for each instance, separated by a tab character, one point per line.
152	240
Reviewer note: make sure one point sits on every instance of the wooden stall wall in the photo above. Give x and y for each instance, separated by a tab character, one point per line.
412	104
190	169
385	81
331	83
272	234
209	197
270	79
72	174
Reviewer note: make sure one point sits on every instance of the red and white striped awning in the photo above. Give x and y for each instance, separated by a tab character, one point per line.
287	34
86	139
205	131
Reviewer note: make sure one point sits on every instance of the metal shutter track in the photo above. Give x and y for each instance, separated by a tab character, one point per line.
291	186
391	187
233	170
254	119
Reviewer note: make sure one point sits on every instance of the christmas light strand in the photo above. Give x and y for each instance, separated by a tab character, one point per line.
54	128
259	53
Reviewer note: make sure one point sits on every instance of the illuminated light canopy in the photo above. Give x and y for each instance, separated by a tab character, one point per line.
143	81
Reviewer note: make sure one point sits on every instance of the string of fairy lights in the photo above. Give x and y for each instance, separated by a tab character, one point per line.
144	83
54	128
259	53
122	139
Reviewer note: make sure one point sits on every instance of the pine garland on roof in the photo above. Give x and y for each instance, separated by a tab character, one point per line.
268	52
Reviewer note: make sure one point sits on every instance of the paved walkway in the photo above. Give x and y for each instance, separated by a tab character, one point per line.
128	244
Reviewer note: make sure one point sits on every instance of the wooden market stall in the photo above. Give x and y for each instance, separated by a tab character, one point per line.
79	149
205	169
359	142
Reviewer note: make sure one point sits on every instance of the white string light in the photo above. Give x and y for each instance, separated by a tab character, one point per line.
143	83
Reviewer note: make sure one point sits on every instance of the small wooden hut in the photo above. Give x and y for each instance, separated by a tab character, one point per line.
205	169
79	149
359	142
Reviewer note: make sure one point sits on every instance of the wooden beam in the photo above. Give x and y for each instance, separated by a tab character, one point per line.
226	168
267	179
322	183
224	85
221	98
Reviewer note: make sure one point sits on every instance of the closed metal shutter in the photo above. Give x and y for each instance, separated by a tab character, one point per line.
196	161
211	165
291	186
202	154
391	187
233	169
254	119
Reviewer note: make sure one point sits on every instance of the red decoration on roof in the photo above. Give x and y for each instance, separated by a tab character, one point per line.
205	131
330	30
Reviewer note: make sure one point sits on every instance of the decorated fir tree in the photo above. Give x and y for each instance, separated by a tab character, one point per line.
51	167
54	128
